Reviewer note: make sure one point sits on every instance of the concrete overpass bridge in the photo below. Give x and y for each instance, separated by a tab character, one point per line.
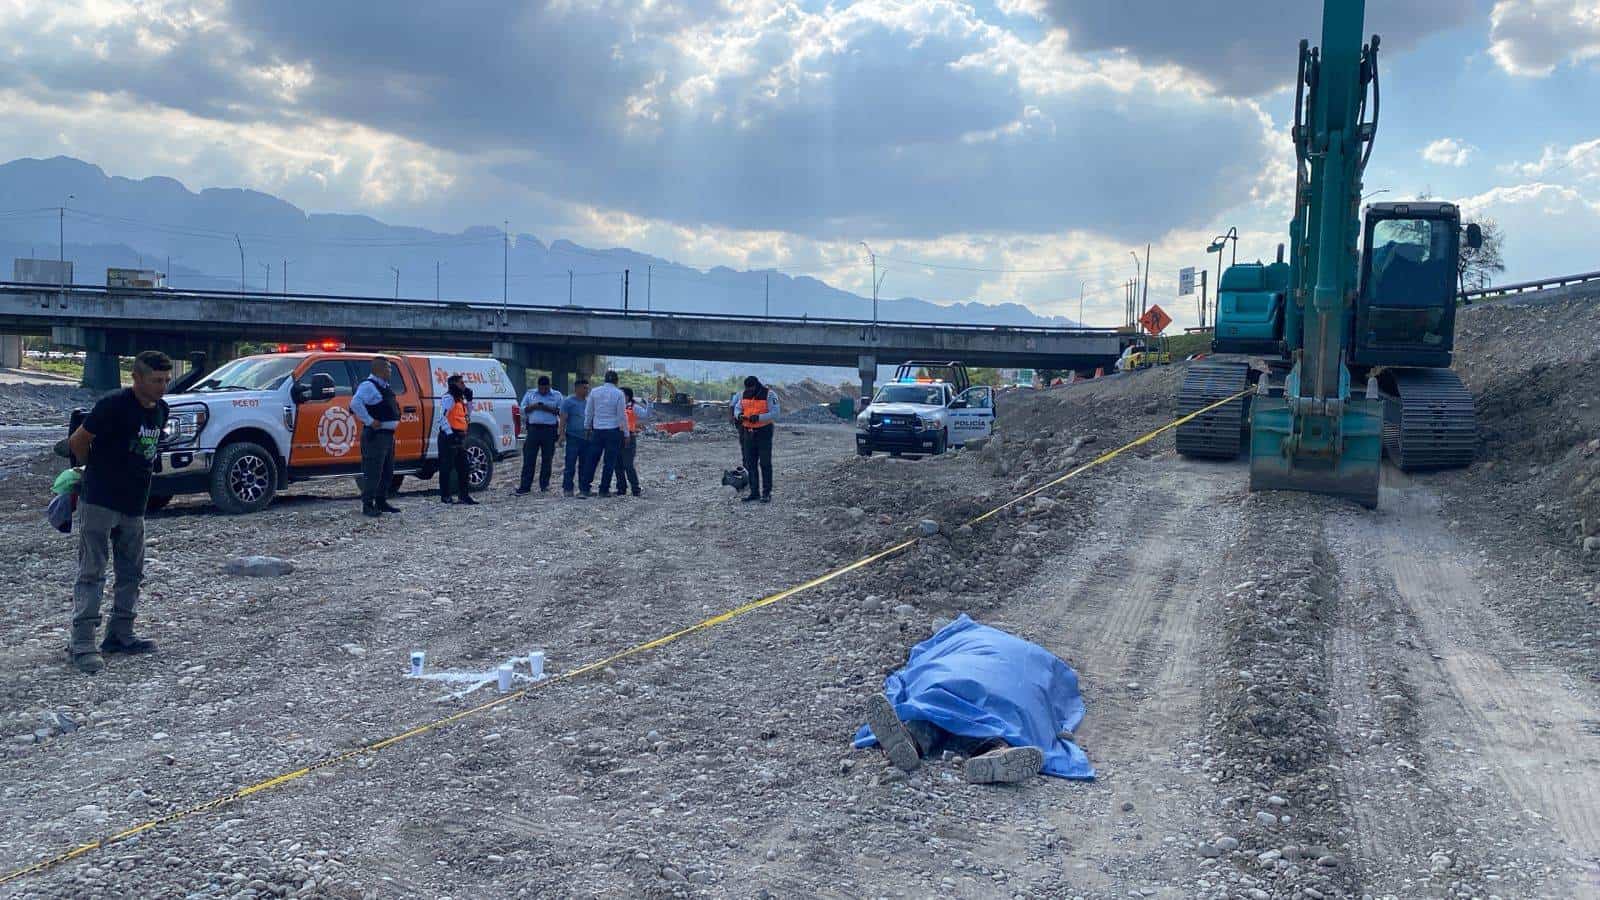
109	323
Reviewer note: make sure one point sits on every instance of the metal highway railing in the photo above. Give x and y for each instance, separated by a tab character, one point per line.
568	310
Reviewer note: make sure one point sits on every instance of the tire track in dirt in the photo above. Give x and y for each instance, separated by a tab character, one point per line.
1127	613
1518	722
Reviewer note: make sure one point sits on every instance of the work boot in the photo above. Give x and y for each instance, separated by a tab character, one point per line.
1007	765
466	500
90	663
384	506
369	510
126	644
891	733
750	499
638	493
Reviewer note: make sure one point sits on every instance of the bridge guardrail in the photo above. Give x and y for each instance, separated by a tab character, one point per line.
573	310
1503	290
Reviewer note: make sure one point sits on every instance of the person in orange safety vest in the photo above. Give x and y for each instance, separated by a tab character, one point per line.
455	413
754	412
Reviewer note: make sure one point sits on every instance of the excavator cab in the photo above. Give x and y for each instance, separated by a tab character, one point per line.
1250	304
1405	311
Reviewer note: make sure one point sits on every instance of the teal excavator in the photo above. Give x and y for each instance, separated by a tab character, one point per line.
1353	348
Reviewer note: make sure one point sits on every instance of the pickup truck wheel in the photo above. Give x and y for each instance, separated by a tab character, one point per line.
156	502
480	462
861	452
244	478
941	443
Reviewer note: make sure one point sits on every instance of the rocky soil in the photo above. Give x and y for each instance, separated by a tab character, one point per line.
1288	697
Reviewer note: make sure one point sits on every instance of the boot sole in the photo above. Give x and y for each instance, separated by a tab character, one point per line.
1007	766
892	734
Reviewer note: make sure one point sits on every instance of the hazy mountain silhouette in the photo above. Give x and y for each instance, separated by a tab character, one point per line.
125	222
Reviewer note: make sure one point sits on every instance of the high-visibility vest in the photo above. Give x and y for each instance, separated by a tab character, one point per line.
457	416
633	419
749	407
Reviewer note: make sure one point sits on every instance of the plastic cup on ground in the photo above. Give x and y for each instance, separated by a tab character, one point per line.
419	659
504	676
536	664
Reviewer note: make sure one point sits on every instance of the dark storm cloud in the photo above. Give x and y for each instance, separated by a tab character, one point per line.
907	121
1244	48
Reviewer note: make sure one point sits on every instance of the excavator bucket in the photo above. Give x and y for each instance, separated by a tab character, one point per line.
1342	460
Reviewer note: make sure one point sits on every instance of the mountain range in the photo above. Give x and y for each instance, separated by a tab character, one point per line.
218	238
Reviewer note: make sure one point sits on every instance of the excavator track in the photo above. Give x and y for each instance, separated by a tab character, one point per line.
1218	434
1429	420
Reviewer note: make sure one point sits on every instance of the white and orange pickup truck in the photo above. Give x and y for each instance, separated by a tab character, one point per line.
249	429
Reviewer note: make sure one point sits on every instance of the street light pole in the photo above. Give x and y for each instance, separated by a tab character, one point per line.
875	282
1082	286
241	261
396	281
267	267
61	261
436	266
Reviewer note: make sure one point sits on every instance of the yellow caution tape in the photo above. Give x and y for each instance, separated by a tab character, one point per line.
278	781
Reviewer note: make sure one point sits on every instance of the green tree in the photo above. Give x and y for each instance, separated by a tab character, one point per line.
1476	268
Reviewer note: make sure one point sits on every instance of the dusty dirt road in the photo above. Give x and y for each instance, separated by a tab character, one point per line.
1287	697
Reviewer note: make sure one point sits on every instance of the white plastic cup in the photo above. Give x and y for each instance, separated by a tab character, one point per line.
536	664
419	659
504	674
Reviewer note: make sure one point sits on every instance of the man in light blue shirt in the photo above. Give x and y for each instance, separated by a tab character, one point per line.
578	465
541	410
605	421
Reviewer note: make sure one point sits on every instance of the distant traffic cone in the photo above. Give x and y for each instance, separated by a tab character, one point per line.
1099	371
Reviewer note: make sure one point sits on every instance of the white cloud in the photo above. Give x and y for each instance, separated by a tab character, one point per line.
1448	152
1533	37
1581	161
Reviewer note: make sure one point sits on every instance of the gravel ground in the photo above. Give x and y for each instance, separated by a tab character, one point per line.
1288	697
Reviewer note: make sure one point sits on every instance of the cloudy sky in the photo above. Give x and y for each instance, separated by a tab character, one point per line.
993	150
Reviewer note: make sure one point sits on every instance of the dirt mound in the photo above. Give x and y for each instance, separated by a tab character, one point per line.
41	404
1531	366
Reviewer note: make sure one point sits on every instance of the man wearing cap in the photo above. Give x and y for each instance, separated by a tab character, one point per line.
541	409
374	404
754	412
118	443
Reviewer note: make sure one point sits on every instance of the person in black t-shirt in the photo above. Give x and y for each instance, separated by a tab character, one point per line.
118	440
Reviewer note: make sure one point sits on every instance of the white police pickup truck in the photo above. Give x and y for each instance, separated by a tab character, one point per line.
247	430
924	415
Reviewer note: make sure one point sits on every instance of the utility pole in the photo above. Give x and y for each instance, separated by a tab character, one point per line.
624	291
876	281
1144	302
241	261
505	270
396	281
267	267
436	265
61	261
649	279
1082	286
769	294
1202	298
284	286
569	287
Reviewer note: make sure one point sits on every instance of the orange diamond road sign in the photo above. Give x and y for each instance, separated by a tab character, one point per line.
1155	320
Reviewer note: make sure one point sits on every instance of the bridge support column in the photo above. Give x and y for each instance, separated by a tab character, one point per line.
10	351
102	365
516	358
867	368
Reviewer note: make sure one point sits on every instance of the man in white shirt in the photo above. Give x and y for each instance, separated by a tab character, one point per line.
605	422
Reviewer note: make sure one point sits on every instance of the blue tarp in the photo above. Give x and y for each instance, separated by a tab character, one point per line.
977	681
